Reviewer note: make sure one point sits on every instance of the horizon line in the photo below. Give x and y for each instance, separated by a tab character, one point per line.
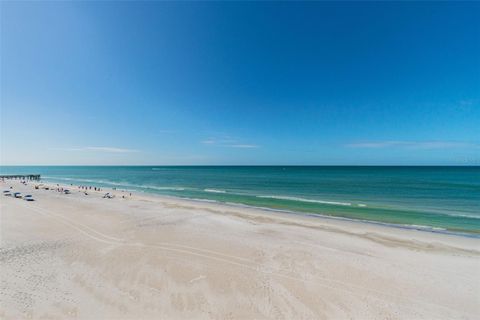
240	165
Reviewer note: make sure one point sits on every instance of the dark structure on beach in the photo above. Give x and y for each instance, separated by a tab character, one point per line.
21	176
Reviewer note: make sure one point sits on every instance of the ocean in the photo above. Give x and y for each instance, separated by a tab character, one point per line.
436	199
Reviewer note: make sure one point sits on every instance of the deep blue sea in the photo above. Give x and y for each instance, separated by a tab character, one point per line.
439	199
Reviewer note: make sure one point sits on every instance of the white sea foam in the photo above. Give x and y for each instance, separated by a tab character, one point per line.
460	215
202	200
306	200
215	190
421	227
164	188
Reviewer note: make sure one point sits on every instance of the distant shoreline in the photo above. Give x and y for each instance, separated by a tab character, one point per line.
434	199
300	214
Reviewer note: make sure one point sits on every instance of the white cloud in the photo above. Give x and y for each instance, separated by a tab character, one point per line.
415	144
99	149
229	143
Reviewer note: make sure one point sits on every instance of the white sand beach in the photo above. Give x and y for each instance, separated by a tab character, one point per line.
147	257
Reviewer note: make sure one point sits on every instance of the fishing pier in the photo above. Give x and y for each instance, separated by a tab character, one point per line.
34	177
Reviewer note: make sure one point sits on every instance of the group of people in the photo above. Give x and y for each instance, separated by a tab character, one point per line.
89	188
63	190
107	195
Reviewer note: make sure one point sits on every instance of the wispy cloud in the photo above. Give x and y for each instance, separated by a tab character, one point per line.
243	146
415	144
99	149
467	104
230	143
111	149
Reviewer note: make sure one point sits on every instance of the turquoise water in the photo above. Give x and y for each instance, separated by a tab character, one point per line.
439	199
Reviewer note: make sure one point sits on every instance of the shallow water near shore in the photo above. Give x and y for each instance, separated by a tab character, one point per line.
430	198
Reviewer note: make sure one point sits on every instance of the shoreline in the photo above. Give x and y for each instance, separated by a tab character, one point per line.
337	223
421	228
84	256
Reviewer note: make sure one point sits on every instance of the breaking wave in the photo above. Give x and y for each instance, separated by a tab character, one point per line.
306	200
215	190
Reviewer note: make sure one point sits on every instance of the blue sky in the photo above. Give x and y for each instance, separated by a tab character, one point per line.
240	83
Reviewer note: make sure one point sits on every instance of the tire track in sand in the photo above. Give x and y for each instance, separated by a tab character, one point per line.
346	287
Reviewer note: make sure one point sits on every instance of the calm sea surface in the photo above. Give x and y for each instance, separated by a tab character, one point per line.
439	199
